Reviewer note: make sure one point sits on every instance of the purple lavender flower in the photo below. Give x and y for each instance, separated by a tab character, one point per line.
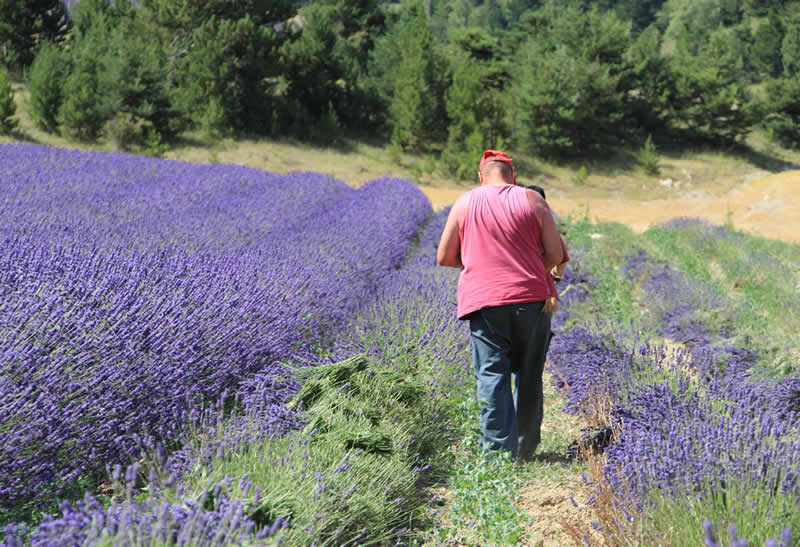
135	291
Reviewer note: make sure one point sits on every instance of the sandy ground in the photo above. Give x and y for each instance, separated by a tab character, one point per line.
769	207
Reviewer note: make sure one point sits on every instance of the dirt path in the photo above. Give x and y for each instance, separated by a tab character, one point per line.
769	207
552	489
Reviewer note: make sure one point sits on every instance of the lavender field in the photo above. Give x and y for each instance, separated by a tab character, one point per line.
136	293
158	320
685	341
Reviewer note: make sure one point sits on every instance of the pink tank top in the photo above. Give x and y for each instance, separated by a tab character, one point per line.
501	249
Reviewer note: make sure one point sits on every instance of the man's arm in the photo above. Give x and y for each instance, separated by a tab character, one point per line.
551	239
558	271
449	251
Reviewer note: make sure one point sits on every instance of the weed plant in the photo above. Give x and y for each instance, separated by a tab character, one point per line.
481	504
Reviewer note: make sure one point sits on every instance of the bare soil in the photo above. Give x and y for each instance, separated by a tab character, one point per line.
552	490
552	503
769	206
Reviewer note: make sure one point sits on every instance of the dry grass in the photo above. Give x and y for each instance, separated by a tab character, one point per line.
353	162
609	524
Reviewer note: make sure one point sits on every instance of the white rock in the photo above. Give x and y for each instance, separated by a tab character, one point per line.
666	183
597	236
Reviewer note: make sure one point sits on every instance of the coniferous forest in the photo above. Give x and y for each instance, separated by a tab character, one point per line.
559	78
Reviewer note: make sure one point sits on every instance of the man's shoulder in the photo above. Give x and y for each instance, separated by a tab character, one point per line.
459	208
462	201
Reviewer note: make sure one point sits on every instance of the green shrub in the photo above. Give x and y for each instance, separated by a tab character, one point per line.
783	120
154	144
328	129
213	120
581	176
462	159
648	157
126	130
45	83
80	116
8	107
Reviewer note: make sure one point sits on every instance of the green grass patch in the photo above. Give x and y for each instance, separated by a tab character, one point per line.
756	513
479	508
606	246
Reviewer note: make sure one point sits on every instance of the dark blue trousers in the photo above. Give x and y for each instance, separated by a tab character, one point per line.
509	344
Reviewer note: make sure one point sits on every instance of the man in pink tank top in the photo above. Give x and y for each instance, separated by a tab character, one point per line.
505	241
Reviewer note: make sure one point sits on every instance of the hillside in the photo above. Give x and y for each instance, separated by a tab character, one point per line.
756	190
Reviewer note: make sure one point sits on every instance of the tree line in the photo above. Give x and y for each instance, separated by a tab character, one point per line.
559	78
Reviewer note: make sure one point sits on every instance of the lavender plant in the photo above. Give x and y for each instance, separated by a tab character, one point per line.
308	487
135	293
704	433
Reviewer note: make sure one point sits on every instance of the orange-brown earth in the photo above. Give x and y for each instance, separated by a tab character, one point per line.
768	207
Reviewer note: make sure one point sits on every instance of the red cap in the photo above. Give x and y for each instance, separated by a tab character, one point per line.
494	155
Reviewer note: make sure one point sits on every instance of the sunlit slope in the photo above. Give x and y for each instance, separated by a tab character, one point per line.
769	207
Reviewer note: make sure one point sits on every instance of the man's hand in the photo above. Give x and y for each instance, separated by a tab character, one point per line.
550	305
558	271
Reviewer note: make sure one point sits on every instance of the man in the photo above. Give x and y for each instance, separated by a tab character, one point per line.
505	240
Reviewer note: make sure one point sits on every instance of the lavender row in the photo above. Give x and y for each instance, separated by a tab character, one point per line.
133	298
204	522
106	201
723	408
694	415
412	319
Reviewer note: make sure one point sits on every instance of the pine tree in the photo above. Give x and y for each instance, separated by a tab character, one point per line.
25	25
475	101
651	82
45	84
139	89
8	123
692	21
466	107
760	7
80	116
223	57
326	66
783	122
767	42
417	103
641	13
790	47
572	83
711	101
